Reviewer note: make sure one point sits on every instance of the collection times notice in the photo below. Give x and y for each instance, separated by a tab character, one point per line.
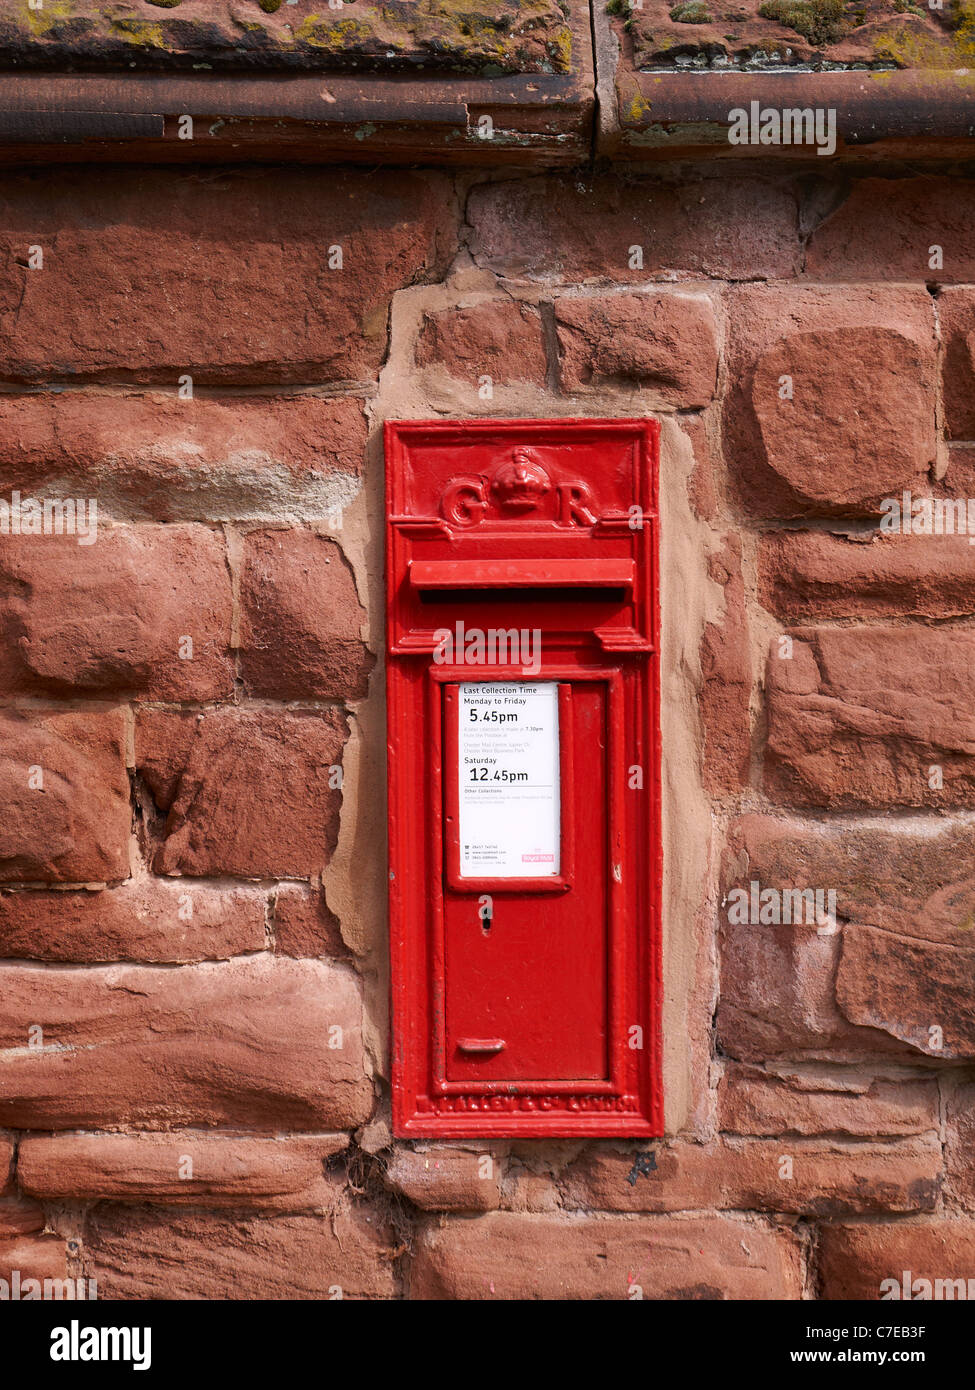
508	780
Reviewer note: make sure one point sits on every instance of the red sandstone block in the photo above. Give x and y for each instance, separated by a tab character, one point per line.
778	998
150	613
956	314
796	990
907	876
815	574
163	740
148	455
247	791
785	1174
443	1179
887	229
862	716
505	1255
726	678
663	341
568	229
301	619
959	479
249	1042
346	1252
832	400
6	1164
500	339
960	1145
525	1190
186	1167
303	925
147	919
19	1216
35	1258
265	38
65	795
150	275
809	1101
869	1261
915	990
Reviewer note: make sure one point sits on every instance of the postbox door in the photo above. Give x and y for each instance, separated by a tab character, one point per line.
525	915
526	950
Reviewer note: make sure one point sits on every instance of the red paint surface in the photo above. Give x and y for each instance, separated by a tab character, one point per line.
525	1028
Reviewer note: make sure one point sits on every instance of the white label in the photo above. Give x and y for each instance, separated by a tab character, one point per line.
508	780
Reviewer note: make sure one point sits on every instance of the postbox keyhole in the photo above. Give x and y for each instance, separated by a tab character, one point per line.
485	910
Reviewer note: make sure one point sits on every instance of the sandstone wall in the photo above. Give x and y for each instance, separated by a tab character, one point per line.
193	966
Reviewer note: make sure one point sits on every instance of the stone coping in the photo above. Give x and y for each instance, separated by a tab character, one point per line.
541	84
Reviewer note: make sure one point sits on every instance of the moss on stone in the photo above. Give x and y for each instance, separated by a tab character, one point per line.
820	21
623	9
270	6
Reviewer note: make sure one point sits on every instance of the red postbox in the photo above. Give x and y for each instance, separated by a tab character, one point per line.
524	786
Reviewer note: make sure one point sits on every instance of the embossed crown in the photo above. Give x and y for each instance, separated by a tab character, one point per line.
520	484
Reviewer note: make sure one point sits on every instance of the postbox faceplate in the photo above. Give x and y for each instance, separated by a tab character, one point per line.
525	860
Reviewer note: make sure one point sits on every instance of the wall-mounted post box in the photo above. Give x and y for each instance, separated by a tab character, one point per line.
524	827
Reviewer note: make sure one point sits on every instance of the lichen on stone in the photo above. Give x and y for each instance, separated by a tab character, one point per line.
41	21
691	12
139	32
561	47
321	32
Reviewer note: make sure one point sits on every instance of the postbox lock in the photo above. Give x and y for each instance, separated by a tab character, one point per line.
522	691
